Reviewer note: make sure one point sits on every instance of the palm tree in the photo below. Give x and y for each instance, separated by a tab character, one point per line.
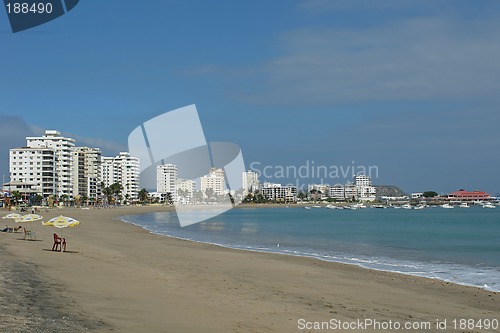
17	196
108	193
116	190
143	195
168	198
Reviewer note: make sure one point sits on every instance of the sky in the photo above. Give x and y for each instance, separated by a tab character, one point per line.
408	87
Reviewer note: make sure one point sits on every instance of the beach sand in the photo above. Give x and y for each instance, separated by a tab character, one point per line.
119	277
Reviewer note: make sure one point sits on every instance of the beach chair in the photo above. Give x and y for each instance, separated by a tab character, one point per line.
29	235
59	243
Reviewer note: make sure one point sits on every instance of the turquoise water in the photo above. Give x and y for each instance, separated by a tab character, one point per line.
457	245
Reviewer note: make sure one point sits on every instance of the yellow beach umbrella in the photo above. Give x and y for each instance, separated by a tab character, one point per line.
28	218
62	222
14	216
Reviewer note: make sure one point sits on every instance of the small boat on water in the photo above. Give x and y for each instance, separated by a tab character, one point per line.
419	207
379	206
448	206
317	206
307	207
358	206
406	206
489	205
464	205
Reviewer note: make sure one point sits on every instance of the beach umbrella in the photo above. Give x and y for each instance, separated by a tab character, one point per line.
62	222
14	216
27	219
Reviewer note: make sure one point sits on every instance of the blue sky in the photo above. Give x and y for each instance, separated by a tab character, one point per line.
408	86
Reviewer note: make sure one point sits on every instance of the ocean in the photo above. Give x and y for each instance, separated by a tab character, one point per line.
460	245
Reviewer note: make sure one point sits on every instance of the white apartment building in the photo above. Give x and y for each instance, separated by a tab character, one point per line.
364	189
63	159
166	179
250	181
185	189
337	192
35	166
87	172
123	169
362	180
273	191
215	181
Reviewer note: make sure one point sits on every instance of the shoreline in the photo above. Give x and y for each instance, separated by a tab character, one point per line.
312	256
117	270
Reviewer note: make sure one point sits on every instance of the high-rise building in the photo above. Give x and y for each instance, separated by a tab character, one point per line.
185	190
215	181
362	180
63	150
35	166
123	169
364	189
87	172
166	179
250	181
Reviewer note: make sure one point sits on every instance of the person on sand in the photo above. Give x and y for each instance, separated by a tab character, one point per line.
8	229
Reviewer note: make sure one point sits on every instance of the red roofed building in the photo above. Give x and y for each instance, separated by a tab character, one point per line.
463	195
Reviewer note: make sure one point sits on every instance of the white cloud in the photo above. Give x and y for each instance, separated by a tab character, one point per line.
426	58
421	58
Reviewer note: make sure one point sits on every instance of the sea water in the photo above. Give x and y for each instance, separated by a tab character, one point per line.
456	245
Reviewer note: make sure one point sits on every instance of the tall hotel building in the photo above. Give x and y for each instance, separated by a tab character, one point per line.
215	181
166	179
123	169
364	188
34	167
47	162
87	175
250	181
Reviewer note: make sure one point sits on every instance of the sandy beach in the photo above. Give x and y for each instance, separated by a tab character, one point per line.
119	277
